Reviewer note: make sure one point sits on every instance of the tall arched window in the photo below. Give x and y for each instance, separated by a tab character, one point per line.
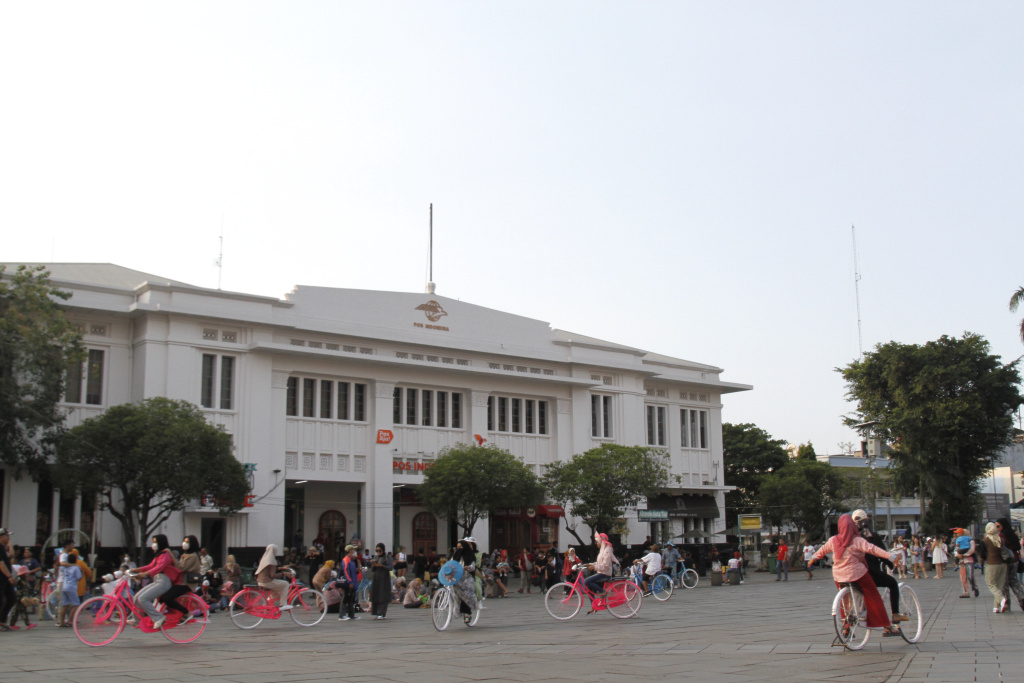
332	533
424	533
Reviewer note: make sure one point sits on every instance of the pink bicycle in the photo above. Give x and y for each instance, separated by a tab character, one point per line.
623	598
98	621
251	605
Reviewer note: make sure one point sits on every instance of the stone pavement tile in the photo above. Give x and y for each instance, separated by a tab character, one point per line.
791	648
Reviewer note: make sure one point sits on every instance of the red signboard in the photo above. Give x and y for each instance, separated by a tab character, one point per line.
384	436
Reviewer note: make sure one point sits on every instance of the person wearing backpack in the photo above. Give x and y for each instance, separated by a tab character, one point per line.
964	550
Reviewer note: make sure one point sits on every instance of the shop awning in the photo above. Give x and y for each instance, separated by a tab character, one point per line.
550	511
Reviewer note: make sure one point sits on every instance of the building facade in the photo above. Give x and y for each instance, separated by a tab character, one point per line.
339	400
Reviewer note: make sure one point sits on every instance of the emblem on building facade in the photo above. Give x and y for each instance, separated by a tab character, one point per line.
433	310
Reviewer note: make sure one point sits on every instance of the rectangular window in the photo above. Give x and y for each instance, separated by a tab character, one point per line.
73	383
456	410
606	402
655	425
528	409
442	409
502	414
490	413
684	429
427	409
517	409
94	378
397	417
595	415
542	417
650	425
308	397
343	413
360	403
291	402
693	429
227	380
703	429
410	406
326	394
208	378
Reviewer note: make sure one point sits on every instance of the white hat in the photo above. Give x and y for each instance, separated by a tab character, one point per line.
470	539
108	577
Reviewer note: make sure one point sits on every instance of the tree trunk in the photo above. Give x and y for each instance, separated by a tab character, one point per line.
572	531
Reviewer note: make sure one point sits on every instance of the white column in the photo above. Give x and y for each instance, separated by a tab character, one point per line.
478	425
379	500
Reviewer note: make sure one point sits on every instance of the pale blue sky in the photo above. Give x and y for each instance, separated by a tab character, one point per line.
678	176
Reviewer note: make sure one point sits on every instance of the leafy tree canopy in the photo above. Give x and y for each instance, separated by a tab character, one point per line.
947	406
468	482
37	344
749	453
598	485
147	460
804	493
805	451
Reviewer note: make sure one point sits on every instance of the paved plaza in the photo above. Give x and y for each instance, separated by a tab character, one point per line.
759	631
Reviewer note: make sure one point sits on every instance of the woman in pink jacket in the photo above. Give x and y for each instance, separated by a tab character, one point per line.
848	566
164	572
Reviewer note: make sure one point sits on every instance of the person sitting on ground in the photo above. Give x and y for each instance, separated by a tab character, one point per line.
412	599
848	550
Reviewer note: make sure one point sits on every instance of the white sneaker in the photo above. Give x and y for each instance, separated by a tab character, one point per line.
157	623
380	618
344	618
285	608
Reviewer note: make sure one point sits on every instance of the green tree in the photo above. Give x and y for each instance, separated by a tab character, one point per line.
947	407
805	451
147	460
598	485
468	482
749	453
804	493
37	345
1015	301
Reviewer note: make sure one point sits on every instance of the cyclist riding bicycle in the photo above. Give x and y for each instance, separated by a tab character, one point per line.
266	577
652	567
882	579
964	550
164	572
602	568
848	550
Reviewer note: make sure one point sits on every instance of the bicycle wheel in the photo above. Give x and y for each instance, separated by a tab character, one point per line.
52	602
441	609
846	609
563	601
308	607
910	608
661	587
624	599
242	608
98	621
363	595
689	578
192	624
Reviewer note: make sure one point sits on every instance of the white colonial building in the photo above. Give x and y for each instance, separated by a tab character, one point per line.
338	399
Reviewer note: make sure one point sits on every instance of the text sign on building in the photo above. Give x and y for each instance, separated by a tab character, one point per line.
997	505
750	522
652	515
385	435
411	466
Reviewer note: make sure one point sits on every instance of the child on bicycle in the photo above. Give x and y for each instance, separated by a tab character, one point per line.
849	566
652	567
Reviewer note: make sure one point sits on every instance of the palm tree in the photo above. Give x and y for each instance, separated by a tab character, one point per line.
1016	300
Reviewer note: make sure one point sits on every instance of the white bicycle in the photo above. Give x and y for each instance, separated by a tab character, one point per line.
445	604
849	615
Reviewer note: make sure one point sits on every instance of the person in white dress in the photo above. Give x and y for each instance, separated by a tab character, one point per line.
940	556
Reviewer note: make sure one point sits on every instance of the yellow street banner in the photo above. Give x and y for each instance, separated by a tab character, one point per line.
750	522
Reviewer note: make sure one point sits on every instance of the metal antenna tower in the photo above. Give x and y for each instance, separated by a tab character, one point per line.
856	289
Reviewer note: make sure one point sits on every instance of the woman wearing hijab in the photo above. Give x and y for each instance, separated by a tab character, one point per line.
465	589
380	589
266	573
848	548
323	575
995	567
1012	543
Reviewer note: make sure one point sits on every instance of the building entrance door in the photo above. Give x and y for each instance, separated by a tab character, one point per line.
332	533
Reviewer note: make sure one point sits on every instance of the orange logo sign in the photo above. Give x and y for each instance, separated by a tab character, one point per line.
433	310
384	436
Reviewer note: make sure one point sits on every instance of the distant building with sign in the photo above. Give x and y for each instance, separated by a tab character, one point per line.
339	400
